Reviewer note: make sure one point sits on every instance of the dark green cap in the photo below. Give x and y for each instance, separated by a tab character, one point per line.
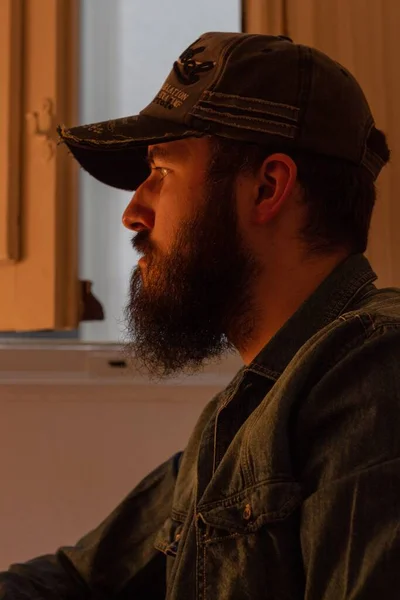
255	88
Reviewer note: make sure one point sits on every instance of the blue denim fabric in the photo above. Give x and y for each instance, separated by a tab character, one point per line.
289	487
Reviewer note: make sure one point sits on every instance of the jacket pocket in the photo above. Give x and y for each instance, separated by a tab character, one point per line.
168	537
246	512
249	544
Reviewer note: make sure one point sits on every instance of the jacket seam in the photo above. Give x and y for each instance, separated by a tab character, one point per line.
355	473
230	500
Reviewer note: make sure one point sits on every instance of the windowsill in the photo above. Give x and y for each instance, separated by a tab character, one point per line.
67	363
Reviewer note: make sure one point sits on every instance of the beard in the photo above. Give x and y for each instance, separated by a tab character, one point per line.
193	304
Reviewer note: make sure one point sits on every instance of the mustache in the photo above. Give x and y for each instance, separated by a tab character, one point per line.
142	243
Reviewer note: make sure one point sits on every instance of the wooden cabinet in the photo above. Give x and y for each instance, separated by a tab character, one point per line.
38	185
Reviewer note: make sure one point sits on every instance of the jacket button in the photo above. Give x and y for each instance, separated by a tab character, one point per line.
247	512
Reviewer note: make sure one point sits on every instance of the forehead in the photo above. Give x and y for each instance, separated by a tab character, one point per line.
182	150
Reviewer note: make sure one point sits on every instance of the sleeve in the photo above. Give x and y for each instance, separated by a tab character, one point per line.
350	463
116	560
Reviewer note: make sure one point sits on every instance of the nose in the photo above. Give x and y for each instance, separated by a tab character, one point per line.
130	218
137	215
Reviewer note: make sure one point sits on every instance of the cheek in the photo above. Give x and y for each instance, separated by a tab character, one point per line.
166	219
174	207
244	210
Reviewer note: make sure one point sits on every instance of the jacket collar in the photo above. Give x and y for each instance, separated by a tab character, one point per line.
332	298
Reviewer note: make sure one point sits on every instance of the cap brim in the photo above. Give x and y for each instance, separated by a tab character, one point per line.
114	152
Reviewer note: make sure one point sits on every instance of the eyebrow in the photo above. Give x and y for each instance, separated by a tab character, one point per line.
161	153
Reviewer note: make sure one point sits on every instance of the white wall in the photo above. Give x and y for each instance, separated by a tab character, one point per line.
66	463
128	47
76	435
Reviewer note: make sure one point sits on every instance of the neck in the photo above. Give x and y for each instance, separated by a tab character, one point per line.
279	292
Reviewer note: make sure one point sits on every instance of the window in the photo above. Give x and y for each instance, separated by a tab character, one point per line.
124	50
127	50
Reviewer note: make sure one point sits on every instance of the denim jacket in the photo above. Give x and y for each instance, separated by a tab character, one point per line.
289	487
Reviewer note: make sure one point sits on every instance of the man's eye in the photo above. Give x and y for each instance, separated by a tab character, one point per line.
163	171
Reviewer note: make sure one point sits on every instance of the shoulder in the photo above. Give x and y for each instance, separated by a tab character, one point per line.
377	311
349	415
363	335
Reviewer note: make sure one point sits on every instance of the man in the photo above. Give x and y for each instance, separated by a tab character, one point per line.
254	171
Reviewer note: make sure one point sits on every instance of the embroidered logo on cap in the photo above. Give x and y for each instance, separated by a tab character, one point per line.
187	69
170	97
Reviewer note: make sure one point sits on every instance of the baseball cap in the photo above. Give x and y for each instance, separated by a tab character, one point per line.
255	88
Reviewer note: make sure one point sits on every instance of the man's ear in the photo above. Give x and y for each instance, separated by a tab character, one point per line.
276	180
